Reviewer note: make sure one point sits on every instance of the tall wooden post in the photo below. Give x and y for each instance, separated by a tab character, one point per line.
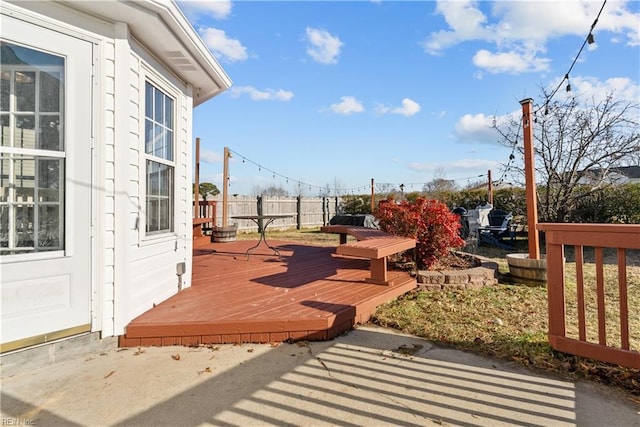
373	194
196	190
490	188
225	187
530	178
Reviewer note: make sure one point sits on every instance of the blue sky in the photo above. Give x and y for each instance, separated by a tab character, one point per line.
335	93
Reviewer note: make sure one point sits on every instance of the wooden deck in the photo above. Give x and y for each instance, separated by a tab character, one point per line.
309	294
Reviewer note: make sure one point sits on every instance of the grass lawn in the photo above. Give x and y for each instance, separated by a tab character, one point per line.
509	321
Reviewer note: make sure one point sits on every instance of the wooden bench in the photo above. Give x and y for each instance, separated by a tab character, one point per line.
372	244
198	223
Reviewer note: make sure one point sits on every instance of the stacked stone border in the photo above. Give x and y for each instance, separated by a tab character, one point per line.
483	274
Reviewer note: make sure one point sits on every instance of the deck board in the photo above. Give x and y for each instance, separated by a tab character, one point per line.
309	293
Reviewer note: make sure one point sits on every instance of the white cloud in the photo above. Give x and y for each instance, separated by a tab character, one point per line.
409	108
509	62
261	95
477	128
347	105
194	9
323	47
209	156
457	166
519	30
465	20
222	46
590	88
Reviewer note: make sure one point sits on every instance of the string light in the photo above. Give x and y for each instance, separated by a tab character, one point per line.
288	179
590	39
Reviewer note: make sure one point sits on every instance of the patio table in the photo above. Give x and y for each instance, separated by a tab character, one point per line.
266	220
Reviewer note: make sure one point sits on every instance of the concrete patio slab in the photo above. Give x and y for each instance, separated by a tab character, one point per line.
367	377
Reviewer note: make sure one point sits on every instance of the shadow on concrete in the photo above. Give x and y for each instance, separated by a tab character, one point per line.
367	377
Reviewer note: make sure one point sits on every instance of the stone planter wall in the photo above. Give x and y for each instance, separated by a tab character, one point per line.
476	277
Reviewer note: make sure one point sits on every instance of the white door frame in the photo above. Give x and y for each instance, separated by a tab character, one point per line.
74	286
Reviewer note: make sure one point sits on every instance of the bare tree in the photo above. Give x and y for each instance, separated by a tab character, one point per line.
270	191
576	144
439	184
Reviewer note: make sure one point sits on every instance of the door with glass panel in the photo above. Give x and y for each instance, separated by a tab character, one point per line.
45	184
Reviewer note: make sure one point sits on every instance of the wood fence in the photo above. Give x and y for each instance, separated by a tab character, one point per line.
305	212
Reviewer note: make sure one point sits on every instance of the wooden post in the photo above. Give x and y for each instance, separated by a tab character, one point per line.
225	187
490	189
372	196
196	191
530	179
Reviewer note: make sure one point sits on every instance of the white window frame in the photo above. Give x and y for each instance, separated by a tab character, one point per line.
148	75
38	154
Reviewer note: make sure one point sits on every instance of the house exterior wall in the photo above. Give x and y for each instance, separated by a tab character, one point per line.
130	271
151	270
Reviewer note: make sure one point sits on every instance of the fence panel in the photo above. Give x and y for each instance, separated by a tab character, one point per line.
592	319
313	212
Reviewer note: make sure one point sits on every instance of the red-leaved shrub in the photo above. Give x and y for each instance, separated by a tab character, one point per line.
430	222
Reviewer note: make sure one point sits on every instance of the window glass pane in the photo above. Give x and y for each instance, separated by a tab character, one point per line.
158	109
25	84
49	179
148	101
50	87
158	141
25	132
168	144
164	214
153	180
13	54
159	197
49	227
4	180
5	90
4	227
148	136
152	215
50	138
165	178
4	130
23	173
24	225
168	112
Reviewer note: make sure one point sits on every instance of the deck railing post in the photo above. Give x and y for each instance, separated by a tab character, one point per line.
299	212
555	290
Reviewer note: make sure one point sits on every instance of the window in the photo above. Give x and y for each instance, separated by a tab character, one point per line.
32	151
159	134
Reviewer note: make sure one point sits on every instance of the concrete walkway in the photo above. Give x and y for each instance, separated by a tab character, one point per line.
368	377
